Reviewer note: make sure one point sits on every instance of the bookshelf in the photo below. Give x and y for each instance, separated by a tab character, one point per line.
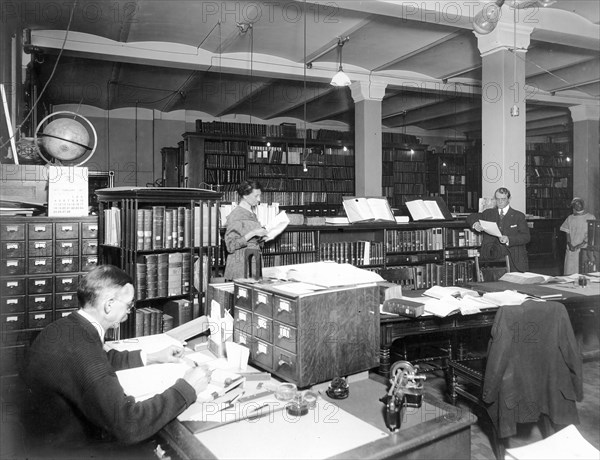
403	169
167	239
220	155
549	175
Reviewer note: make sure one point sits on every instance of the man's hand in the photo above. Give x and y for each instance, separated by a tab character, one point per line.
477	227
571	247
171	354
198	378
504	239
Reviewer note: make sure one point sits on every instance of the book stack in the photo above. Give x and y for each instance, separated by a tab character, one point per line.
148	321
180	310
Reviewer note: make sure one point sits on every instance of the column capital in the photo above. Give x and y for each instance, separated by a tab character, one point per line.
367	91
585	112
503	37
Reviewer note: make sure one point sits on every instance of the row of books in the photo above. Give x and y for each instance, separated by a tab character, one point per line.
460	237
408	166
431	274
451	179
264	154
224	161
430	239
398	138
352	252
559	161
460	253
276	260
224	176
225	147
541	171
150	320
417	188
549	148
163	275
292	242
535	181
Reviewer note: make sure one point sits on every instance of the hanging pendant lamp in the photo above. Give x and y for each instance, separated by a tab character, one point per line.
340	78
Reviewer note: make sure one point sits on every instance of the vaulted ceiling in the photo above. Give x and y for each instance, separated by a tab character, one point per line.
247	57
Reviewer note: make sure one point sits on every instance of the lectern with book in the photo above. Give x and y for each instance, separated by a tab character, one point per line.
367	209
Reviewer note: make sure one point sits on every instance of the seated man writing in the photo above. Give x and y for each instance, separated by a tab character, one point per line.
77	406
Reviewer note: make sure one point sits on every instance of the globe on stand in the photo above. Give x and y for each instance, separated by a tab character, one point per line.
66	141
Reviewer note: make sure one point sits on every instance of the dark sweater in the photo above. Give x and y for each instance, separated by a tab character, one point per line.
76	400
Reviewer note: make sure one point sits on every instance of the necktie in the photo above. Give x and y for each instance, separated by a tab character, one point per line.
501	214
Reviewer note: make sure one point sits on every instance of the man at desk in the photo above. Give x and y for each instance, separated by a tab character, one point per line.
514	229
77	405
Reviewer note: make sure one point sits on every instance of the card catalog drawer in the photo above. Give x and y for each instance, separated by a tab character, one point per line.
242	338
242	320
40	231
89	246
66	230
11	232
242	297
262	328
12	286
39	302
12	267
40	320
13	322
285	310
262	353
284	336
65	300
285	364
58	314
39	285
66	283
66	264
67	247
13	249
39	265
40	248
262	303
88	263
13	304
89	230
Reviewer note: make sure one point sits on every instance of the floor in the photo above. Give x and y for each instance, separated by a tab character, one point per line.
589	414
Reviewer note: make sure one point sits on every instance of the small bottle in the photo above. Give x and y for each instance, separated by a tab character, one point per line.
582	281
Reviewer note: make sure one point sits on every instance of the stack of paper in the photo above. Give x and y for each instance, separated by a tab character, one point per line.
566	443
505	297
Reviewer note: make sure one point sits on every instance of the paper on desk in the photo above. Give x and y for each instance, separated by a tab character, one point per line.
148	343
490	228
566	443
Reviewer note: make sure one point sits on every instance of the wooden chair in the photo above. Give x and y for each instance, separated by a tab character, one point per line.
549	358
491	270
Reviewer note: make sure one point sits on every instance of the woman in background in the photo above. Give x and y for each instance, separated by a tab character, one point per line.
575	226
243	230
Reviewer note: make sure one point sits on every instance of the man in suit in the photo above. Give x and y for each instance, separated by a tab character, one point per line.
514	229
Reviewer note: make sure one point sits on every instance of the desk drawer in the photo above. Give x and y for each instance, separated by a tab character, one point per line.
12	249
262	353
12	267
67	247
285	364
13	304
89	247
40	320
42	285
66	264
89	230
480	320
9	287
39	302
13	322
88	263
66	283
262	328
242	297
66	230
65	300
285	336
12	232
262	303
39	231
285	310
39	265
242	320
40	248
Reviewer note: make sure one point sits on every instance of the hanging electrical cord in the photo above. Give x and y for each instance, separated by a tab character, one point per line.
304	93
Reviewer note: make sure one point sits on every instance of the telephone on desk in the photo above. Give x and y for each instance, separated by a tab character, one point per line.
406	391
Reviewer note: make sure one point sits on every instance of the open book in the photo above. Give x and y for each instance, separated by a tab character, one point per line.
368	209
439	292
532	278
428	209
450	305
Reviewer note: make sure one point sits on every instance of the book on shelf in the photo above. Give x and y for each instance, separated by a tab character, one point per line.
368	209
429	209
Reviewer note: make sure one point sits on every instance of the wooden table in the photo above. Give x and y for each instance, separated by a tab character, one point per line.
436	430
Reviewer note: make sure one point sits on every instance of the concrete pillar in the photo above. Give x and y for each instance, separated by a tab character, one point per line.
586	156
367	98
503	96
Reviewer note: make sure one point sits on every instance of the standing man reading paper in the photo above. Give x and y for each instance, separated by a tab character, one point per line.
513	228
77	407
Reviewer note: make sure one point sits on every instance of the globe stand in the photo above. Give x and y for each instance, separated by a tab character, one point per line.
65	140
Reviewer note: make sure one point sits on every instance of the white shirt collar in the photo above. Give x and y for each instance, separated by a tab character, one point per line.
504	209
95	323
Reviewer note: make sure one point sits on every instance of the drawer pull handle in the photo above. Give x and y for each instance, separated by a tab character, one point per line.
40	262
12	229
284	332
12	301
12	246
261	349
93	228
67	245
242	316
67	228
12	319
242	293
242	339
261	298
12	263
67	297
67	261
41	245
40	316
39	283
261	323
39	228
67	281
284	362
283	306
12	284
93	260
92	245
39	299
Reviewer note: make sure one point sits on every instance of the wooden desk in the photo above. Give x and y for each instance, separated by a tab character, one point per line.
581	308
436	430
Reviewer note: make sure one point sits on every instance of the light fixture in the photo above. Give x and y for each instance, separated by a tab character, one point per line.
340	78
486	20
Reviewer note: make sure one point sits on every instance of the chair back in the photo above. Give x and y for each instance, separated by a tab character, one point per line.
252	264
491	270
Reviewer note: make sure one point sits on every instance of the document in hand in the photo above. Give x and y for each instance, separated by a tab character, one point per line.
428	209
490	228
368	209
277	225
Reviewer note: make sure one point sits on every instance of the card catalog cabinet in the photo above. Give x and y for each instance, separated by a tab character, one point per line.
42	261
309	338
